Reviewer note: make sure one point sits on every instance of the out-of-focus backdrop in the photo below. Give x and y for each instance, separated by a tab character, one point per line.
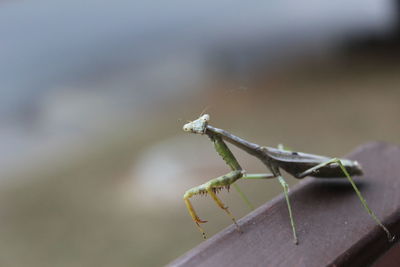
93	96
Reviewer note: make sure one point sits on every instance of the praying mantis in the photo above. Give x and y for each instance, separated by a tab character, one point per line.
297	164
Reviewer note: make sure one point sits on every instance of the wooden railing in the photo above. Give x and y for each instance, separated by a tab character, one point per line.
333	228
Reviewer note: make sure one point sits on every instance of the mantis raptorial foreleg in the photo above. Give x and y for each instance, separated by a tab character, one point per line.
213	193
362	199
211	188
193	213
227	155
215	185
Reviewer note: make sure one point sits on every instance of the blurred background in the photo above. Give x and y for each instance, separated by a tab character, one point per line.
93	96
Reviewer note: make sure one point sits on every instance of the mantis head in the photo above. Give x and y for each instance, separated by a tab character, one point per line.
197	126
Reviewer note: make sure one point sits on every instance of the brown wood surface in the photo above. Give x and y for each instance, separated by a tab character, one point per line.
333	228
390	259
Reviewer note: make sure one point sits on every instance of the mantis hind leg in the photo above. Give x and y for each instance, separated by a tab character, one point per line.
362	199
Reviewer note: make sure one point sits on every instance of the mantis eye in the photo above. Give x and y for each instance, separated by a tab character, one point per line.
205	118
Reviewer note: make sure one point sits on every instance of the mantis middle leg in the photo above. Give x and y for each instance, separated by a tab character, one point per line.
285	192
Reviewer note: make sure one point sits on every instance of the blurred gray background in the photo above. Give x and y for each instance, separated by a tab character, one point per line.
93	96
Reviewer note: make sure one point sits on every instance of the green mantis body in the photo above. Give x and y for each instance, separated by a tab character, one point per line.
297	164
